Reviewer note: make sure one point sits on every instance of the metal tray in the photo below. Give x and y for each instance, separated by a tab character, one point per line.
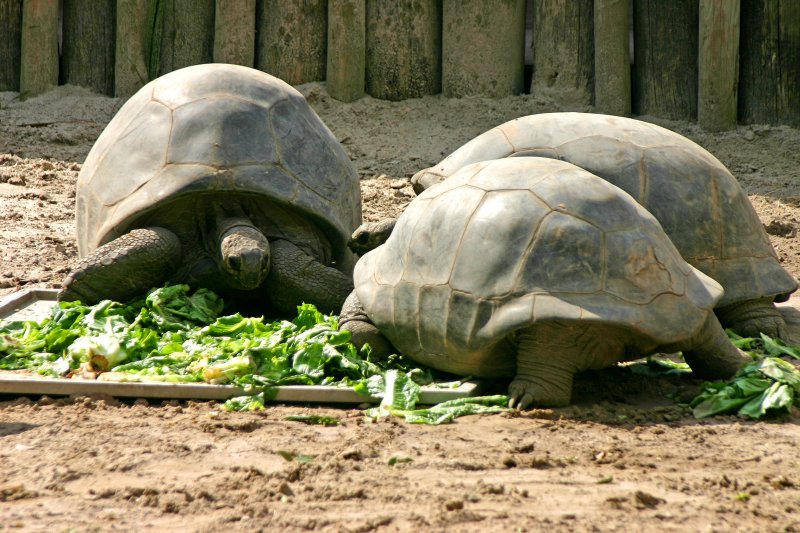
35	304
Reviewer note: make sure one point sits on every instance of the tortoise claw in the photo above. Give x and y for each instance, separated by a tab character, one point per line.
519	396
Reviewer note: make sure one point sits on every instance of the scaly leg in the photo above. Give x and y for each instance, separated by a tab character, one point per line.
753	317
710	353
295	278
354	319
548	356
124	268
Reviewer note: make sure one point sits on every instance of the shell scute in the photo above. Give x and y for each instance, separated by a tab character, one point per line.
567	255
485	263
222	132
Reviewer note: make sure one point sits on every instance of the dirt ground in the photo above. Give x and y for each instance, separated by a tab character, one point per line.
627	456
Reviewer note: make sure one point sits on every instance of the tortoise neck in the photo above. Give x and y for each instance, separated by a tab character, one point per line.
226	224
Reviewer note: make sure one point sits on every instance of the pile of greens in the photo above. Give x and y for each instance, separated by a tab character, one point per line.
172	335
767	386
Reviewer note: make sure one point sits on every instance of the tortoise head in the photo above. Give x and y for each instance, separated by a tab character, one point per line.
245	256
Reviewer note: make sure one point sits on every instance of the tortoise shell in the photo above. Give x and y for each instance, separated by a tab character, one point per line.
218	131
698	202
504	244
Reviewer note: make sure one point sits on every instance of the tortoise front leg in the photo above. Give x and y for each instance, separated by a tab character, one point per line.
124	268
354	319
295	278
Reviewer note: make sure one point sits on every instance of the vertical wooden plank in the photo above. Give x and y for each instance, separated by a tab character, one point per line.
665	58
87	50
612	62
563	51
346	49
483	50
769	78
10	43
404	48
718	64
291	39
235	32
188	35
39	48
136	21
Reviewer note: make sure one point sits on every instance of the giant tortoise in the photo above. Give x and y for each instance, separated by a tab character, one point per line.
534	268
219	176
698	202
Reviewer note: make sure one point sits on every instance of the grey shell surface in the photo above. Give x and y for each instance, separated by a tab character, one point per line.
222	131
698	202
503	244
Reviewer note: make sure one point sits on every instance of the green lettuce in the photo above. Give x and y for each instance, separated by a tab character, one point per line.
767	386
175	335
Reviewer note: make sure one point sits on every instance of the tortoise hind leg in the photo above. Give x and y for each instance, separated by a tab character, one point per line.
751	317
550	353
710	353
124	268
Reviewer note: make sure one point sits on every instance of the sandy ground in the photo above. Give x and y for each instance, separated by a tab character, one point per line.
625	457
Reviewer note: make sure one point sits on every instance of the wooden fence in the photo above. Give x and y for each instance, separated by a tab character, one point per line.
717	61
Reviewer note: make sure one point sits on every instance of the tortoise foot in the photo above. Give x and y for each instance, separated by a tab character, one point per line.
525	392
362	330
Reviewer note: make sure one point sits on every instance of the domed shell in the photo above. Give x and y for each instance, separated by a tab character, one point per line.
698	202
507	243
219	129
